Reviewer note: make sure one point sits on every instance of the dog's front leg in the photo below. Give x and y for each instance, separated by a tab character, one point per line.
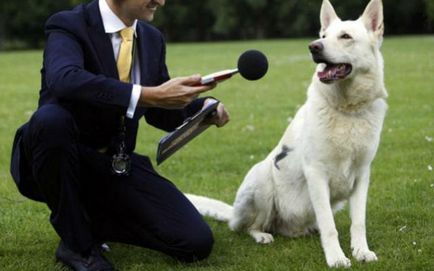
320	196
359	244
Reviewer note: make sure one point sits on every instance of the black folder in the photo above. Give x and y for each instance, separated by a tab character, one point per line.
191	128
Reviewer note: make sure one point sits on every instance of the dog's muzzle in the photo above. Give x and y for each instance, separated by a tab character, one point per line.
332	71
316	49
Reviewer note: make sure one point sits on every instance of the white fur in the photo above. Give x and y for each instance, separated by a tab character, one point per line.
211	207
329	147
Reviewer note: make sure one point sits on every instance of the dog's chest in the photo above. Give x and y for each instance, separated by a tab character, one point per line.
349	142
347	137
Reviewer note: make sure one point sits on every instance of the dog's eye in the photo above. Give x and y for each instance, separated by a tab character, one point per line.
345	36
323	36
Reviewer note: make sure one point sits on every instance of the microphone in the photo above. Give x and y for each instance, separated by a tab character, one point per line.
252	65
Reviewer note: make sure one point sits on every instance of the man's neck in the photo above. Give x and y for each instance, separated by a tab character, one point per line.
117	8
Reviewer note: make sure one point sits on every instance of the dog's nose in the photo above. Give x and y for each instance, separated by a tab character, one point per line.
316	47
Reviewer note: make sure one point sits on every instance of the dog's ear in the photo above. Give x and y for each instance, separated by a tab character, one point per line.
373	18
327	16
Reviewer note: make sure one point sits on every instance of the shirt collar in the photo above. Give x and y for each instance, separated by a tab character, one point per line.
112	23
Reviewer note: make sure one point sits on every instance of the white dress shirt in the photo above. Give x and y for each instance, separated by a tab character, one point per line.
112	26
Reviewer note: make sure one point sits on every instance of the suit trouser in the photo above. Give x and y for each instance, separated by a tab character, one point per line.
89	205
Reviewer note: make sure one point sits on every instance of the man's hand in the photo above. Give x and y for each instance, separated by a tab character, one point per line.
175	93
222	115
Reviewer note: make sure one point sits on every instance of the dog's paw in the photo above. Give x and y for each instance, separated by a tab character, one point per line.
262	237
364	255
337	261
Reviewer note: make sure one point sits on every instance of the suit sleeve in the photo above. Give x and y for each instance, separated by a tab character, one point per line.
67	78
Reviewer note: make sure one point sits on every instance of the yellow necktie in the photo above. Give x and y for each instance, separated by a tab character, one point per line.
125	56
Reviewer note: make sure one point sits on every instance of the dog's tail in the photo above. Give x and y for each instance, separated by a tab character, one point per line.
211	207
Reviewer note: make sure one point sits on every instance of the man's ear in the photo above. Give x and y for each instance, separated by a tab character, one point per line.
373	18
327	15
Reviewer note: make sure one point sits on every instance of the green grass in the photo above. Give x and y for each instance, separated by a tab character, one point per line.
401	202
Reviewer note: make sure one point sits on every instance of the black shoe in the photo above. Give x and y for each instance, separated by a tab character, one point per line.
94	262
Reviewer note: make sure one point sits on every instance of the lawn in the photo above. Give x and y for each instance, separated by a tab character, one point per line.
401	201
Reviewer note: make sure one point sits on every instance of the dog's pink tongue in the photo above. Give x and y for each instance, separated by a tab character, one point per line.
332	72
327	74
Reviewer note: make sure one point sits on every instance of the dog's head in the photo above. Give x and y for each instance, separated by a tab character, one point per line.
346	48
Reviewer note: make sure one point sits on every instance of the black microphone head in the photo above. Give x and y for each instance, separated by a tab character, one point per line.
252	65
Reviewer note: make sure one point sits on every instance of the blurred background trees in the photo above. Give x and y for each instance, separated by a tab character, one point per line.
22	21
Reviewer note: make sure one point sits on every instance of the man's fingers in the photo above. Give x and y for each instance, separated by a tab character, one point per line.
203	88
223	120
190	80
222	116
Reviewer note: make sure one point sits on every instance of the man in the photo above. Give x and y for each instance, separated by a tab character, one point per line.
76	153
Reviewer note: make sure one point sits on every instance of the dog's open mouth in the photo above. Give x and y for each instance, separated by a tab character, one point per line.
334	72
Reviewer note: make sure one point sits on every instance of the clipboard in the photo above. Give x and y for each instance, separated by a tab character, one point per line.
192	127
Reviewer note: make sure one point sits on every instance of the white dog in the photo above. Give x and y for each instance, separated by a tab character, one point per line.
324	157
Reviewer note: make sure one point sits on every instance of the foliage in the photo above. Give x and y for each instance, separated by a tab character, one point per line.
24	19
400	218
186	20
430	13
205	20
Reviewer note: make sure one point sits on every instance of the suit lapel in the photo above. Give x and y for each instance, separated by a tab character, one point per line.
143	54
101	40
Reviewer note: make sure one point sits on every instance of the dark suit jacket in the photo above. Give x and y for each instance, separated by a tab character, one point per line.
79	73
